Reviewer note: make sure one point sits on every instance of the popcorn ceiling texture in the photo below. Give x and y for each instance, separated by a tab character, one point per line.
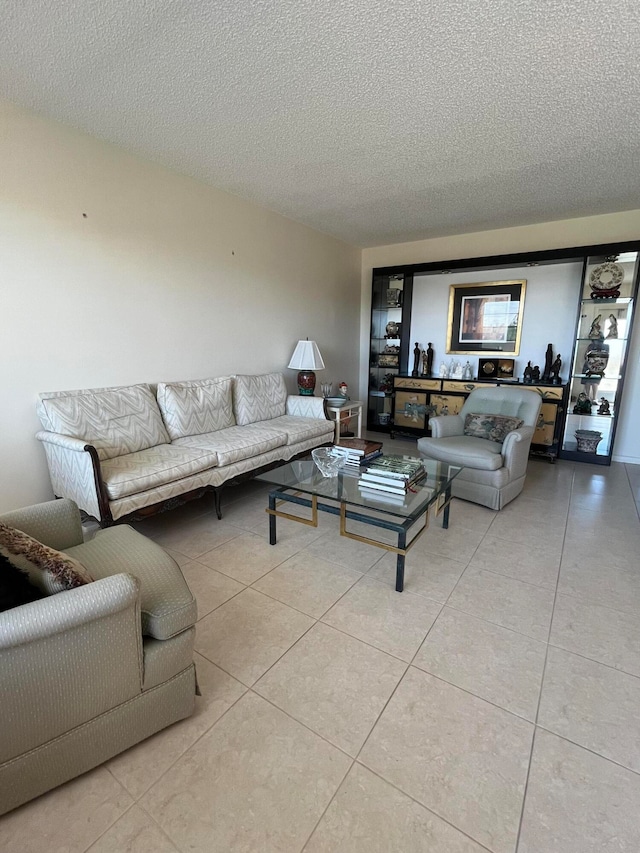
373	121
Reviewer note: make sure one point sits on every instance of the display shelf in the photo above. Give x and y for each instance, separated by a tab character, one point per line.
603	333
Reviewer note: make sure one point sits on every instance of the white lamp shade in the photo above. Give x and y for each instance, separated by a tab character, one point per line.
306	356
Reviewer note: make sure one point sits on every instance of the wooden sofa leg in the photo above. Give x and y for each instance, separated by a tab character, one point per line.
216	494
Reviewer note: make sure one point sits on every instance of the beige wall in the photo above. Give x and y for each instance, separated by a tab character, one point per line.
587	231
165	278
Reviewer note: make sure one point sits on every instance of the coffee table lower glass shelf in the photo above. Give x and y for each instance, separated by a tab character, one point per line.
300	482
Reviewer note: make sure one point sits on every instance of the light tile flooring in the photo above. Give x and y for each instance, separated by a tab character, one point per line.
494	705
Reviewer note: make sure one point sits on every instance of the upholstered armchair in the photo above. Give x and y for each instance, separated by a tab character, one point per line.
90	671
492	454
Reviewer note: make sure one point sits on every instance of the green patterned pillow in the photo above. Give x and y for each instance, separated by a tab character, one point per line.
49	570
490	427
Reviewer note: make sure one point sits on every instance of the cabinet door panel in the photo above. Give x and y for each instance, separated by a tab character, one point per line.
409	410
451	404
415	382
546	425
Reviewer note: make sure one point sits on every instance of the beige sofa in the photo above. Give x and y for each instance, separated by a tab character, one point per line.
117	451
88	672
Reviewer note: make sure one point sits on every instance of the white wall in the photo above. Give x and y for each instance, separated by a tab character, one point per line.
608	228
551	295
164	278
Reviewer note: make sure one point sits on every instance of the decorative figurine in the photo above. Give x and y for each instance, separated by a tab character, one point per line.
596	330
595	363
613	327
416	359
444	373
528	374
343	390
548	358
583	405
535	374
467	372
429	359
604	408
455	372
556	367
425	365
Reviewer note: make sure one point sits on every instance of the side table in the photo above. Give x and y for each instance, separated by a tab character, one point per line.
343	414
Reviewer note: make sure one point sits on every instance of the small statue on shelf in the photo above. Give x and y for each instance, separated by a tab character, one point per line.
528	374
455	372
467	372
583	405
416	359
613	327
604	408
596	330
535	374
548	358
429	359
444	372
556	367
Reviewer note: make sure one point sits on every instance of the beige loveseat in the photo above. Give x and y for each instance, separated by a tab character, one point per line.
90	671
116	451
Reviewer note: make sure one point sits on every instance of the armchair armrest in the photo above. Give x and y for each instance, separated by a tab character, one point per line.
66	659
306	407
515	450
54	523
446	425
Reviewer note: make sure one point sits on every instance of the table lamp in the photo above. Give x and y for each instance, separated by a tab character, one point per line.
305	359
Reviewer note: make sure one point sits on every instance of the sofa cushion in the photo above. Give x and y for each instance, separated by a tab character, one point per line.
115	420
300	429
49	570
236	443
463	450
193	408
167	605
259	398
490	427
145	469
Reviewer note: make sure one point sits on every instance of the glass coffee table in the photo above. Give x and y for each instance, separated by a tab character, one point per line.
300	482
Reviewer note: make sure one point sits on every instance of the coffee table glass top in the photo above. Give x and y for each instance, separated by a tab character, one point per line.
303	476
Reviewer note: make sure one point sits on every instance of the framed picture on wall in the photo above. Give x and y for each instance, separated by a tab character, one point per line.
486	318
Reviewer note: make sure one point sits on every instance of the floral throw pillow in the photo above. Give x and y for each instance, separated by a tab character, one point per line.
490	427
50	570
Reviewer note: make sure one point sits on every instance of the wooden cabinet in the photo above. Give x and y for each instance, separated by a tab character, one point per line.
416	399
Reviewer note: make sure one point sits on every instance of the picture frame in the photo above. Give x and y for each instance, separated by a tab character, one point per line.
486	317
389	360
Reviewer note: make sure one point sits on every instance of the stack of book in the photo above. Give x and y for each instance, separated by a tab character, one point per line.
358	451
389	478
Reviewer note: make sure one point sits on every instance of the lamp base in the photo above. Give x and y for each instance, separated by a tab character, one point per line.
306	383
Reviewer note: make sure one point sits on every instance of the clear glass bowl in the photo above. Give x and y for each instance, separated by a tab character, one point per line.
328	462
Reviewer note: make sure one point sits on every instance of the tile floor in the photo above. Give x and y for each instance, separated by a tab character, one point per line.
493	706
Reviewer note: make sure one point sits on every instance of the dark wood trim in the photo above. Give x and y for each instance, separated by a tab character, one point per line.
521	258
106	519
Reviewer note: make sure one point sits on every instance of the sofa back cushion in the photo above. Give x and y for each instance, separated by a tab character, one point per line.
259	398
196	407
115	420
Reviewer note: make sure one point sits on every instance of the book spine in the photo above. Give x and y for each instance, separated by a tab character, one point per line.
382	487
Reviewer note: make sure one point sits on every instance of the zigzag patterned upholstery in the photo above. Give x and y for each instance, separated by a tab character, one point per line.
114	420
108	449
259	398
135	472
196	407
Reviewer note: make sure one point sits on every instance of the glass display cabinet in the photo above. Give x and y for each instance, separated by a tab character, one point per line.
603	333
389	343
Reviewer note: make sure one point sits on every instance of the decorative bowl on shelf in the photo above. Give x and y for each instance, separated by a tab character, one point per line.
336	401
327	461
588	440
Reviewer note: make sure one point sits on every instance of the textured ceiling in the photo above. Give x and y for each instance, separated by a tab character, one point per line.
371	120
